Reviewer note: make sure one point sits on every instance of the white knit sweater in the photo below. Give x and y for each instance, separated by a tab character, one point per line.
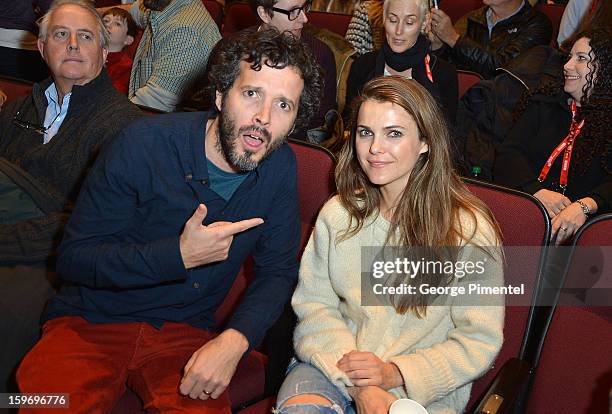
438	356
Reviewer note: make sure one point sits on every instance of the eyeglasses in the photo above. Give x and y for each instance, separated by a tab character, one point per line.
295	12
40	129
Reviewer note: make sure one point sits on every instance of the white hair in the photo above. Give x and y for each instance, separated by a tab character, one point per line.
43	22
423	6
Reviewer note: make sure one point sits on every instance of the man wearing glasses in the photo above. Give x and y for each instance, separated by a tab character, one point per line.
291	16
48	141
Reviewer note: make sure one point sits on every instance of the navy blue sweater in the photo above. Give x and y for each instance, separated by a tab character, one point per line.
120	254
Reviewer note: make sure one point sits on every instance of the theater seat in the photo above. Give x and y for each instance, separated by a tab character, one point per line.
15	88
467	79
575	368
458	8
554	12
525	227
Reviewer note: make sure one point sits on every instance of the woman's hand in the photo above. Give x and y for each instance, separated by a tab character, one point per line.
571	218
442	26
553	202
365	368
371	400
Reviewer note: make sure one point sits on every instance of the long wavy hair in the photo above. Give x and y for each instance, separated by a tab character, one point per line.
430	209
595	105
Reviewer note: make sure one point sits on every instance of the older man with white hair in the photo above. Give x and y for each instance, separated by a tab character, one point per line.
48	141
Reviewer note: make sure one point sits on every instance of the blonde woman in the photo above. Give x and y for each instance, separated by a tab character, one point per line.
405	52
396	187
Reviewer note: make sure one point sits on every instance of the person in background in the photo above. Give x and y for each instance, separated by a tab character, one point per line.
365	30
122	31
486	38
48	142
173	51
166	219
574	12
559	150
19	56
396	187
291	16
405	52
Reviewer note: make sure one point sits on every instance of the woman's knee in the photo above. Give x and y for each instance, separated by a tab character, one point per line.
308	404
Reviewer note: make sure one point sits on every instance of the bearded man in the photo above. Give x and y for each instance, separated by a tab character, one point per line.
160	230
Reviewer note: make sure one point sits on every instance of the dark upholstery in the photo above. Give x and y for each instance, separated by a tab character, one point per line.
15	88
215	10
554	13
525	230
458	8
467	79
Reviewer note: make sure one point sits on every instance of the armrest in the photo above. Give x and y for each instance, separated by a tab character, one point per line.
506	388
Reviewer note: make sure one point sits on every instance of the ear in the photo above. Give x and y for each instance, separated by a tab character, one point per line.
104	54
218	100
128	40
424	148
263	15
41	47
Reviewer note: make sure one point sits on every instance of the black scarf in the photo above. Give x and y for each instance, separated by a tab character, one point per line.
410	58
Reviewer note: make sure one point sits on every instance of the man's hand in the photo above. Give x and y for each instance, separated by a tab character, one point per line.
210	369
365	368
371	400
435	41
442	26
202	244
553	202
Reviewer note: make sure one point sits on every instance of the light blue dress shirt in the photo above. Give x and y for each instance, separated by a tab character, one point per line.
55	114
489	16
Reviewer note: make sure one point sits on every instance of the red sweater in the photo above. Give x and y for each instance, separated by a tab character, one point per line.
119	66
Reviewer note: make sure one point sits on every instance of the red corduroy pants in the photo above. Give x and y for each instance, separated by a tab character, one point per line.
94	363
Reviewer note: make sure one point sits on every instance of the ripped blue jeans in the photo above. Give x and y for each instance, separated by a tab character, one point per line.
303	378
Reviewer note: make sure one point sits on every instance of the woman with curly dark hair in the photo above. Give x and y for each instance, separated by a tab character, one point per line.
559	150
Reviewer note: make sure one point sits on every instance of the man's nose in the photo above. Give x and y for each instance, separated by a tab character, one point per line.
262	116
73	42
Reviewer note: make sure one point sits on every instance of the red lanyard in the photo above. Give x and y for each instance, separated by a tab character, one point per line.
566	146
428	68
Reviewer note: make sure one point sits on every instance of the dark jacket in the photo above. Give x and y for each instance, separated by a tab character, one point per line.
121	250
478	52
444	88
485	113
545	123
96	113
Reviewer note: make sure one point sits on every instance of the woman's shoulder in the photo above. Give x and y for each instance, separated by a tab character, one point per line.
477	229
333	211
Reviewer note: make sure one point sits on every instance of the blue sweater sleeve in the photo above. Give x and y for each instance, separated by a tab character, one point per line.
95	251
275	264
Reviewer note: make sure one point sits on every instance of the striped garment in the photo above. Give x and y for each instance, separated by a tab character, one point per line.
364	31
174	48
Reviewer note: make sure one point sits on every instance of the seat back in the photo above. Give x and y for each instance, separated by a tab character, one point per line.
238	16
575	368
15	88
335	22
467	79
554	12
315	166
525	228
458	8
215	10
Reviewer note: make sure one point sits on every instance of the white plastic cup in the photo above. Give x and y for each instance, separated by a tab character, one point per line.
406	406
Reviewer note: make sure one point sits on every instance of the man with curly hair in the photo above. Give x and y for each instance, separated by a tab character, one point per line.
162	226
